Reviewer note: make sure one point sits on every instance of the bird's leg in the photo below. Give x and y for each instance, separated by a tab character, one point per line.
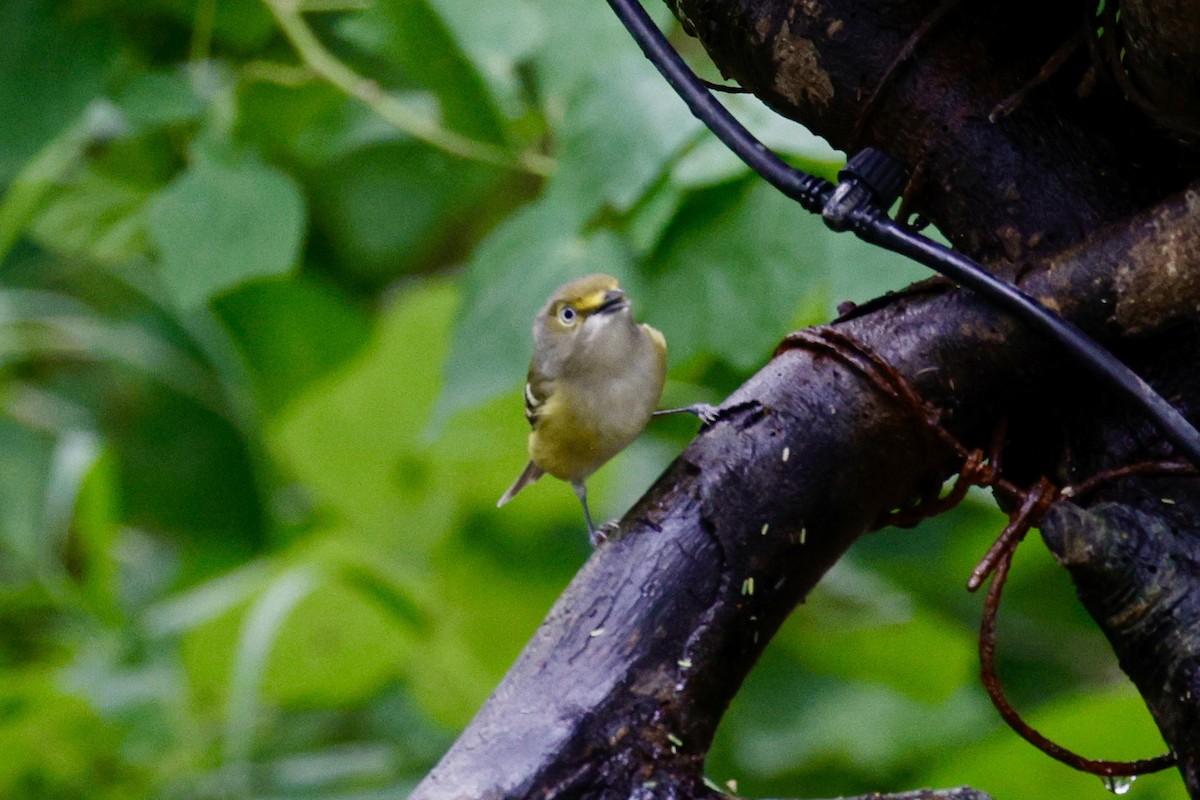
596	536
707	414
581	492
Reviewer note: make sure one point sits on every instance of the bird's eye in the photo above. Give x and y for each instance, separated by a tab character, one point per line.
567	315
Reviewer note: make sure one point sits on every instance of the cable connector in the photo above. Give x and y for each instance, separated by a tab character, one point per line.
870	177
882	174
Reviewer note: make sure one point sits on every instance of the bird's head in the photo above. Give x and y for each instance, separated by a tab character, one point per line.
579	312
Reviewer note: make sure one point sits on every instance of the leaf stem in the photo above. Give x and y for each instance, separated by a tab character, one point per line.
288	13
202	30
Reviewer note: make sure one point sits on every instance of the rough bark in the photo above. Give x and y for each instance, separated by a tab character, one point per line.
620	691
1162	42
1029	184
1134	552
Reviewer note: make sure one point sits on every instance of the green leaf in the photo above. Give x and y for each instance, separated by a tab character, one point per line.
187	473
328	771
95	525
922	655
273	322
353	440
374	583
220	224
160	98
496	42
414	36
509	277
56	746
711	162
314	123
582	38
37	324
264	622
207	601
647	223
617	136
36	181
788	722
1110	723
244	25
731	271
52	64
75	454
27	456
859	272
338	648
241	25
97	215
384	208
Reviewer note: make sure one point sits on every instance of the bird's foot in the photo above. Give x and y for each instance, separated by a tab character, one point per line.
708	414
598	536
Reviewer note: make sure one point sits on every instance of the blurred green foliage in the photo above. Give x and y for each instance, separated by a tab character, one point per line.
265	287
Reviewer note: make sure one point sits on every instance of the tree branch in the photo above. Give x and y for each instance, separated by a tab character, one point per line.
621	689
626	680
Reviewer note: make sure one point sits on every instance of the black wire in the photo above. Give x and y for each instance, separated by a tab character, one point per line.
1092	355
874	226
809	191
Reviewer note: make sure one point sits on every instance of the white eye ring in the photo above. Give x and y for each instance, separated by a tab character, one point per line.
567	315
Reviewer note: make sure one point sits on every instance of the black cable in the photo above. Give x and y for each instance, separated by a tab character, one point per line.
850	206
809	191
1091	354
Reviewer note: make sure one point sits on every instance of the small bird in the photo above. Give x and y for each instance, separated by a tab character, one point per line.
593	384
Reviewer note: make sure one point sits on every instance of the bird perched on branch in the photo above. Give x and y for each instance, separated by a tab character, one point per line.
593	385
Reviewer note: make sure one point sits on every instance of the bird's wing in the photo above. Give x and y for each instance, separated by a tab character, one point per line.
537	388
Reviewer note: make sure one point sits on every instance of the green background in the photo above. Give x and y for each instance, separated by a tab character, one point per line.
266	281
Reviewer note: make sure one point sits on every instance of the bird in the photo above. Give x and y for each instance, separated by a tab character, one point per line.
593	385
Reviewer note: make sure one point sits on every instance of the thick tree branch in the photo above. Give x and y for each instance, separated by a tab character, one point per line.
620	691
625	682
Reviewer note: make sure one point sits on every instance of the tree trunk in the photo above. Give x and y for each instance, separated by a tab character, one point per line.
1084	201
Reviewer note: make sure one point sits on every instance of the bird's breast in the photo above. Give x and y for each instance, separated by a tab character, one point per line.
594	414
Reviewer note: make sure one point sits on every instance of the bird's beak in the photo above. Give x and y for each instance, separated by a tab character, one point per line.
614	300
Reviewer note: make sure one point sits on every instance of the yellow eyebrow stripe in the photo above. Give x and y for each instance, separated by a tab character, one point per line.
590	302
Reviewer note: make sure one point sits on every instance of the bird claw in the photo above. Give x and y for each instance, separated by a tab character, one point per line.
708	414
598	536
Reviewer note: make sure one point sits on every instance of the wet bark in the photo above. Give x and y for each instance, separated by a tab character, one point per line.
620	691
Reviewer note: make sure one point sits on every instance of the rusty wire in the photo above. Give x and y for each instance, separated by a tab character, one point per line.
1019	524
1031	506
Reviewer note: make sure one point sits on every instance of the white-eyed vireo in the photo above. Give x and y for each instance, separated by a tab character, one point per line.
593	384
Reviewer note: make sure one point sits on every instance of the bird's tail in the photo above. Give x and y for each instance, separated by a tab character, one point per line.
531	473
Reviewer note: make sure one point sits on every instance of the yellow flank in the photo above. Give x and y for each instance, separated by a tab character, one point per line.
564	444
660	345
